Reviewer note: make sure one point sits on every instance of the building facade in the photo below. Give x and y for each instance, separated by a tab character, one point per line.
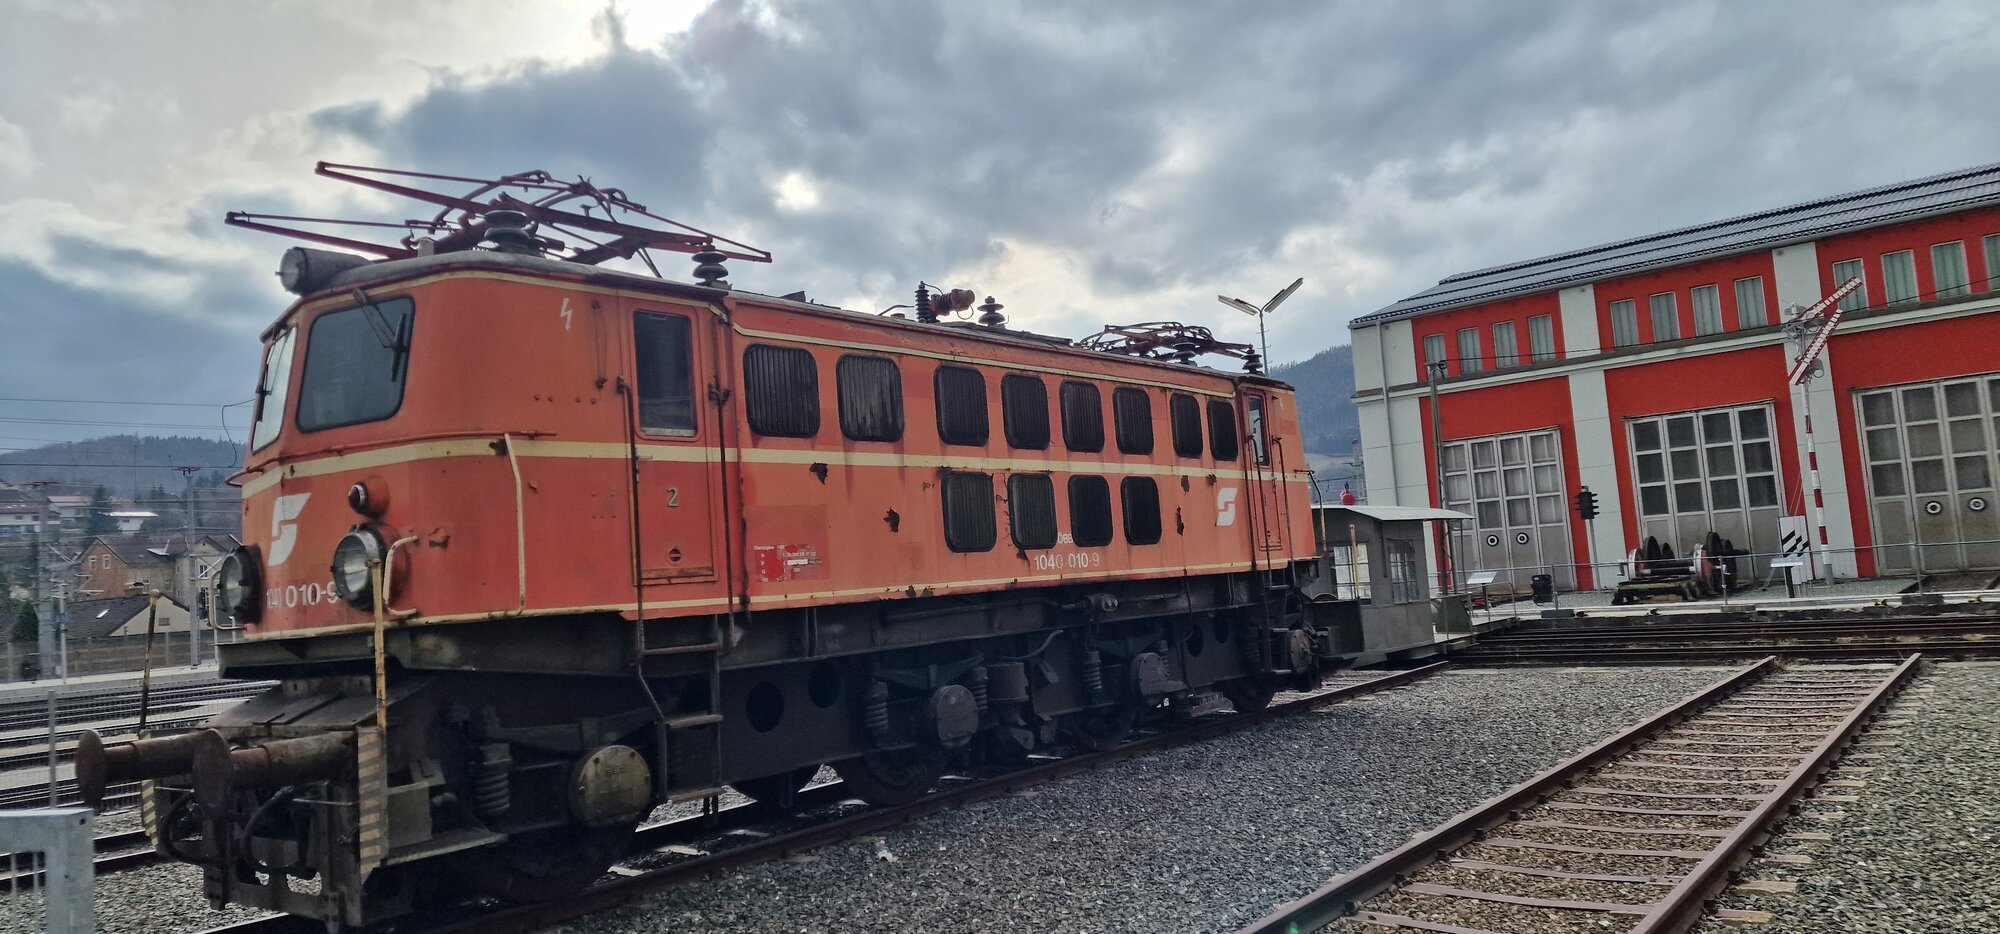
1653	371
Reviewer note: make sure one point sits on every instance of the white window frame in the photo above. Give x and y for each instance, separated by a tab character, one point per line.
1991	244
1625	323
1899	277
1506	351
1434	352
1844	270
1469	358
1541	338
1707	314
1963	283
1751	286
1671	316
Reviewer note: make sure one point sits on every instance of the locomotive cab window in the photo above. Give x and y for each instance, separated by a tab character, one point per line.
1031	510
356	359
1024	411
1089	511
1185	415
1082	417
1132	418
968	511
961	405
1222	428
1259	447
781	391
665	374
871	398
273	389
1141	499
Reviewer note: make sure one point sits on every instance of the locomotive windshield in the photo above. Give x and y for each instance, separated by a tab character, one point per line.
272	388
355	362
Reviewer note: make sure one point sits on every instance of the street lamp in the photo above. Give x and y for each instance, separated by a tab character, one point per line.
1258	312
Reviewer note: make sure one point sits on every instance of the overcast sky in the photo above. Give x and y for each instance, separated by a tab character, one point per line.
1085	163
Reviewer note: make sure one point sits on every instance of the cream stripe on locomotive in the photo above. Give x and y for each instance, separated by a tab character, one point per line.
774	600
694	453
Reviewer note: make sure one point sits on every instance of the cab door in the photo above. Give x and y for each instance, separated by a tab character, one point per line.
1267	477
675	438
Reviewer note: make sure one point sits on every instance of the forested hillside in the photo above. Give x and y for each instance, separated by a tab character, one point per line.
1325	382
125	465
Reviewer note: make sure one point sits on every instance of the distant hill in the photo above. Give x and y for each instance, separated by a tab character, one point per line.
1325	382
125	465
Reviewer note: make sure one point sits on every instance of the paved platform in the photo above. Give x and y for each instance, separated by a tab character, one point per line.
1598	602
112	682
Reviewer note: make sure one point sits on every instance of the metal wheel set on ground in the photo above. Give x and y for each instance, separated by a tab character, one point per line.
1635	834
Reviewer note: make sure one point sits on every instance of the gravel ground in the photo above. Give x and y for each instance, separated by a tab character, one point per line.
1201	838
1920	849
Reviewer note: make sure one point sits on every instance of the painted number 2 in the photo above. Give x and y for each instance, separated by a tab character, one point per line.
673	497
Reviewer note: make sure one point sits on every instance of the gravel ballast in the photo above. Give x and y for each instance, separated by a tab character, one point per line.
1203	838
1919	848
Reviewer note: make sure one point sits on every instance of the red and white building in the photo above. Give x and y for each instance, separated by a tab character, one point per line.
1654	372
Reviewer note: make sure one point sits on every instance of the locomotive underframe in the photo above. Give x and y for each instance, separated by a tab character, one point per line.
487	722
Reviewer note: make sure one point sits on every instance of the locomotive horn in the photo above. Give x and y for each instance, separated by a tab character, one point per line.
99	766
220	771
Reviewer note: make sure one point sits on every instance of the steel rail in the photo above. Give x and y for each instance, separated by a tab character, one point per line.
1884	651
1684	904
532	917
1337	899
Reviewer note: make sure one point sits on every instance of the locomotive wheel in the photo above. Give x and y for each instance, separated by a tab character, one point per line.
1103	728
1248	695
544	865
893	777
780	790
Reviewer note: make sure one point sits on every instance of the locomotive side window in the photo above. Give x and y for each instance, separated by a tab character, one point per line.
1258	447
961	405
273	389
1185	415
1132	417
1024	410
871	398
1089	511
1222	429
1031	510
665	375
781	391
968	511
1082	417
1141	499
355	362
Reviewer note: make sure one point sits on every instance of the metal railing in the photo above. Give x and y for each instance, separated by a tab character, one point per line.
1808	581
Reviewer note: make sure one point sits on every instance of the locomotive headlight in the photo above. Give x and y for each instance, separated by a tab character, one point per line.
239	585
358	549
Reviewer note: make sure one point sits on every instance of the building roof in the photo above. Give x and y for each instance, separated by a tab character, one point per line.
1873	207
1397	513
140	547
95	619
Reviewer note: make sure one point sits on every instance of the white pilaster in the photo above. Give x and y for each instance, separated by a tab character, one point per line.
1579	321
1399	353
1367	352
1597	468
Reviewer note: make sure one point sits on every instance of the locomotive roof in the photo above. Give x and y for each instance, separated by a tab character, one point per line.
390	270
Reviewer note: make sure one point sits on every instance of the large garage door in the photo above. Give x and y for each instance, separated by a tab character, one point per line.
1930	450
1708	470
1513	487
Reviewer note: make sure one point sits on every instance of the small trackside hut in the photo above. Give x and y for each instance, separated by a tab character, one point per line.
1373	596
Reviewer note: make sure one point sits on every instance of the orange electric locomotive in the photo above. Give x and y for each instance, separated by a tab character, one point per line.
536	545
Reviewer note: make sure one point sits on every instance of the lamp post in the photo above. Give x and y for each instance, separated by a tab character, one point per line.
1260	311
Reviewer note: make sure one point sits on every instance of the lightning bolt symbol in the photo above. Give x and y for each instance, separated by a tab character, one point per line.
565	314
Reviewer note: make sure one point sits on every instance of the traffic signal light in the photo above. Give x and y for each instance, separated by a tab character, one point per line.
1586	503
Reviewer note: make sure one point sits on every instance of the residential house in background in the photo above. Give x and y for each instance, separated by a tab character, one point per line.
130	563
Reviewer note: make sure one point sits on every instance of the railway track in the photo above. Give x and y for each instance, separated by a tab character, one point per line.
1669	642
115	852
660	859
1634	834
25	732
